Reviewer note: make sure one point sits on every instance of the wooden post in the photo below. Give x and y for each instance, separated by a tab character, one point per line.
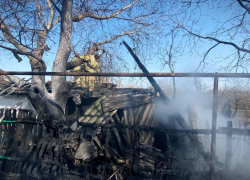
136	150
107	134
214	122
144	70
192	116
229	146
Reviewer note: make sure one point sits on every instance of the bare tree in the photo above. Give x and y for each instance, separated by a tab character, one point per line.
237	93
171	52
29	28
228	29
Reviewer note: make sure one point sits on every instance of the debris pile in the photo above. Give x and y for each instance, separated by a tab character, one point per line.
112	139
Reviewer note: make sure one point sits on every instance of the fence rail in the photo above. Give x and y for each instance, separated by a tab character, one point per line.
215	97
158	74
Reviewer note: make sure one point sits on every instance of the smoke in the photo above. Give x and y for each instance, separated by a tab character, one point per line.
201	104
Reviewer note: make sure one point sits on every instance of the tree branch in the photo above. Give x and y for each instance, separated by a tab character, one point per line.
115	37
78	62
51	18
20	52
38	9
92	50
91	15
73	64
7	34
206	53
244	6
56	21
54	4
218	41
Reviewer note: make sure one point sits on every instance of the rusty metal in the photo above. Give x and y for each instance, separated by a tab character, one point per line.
214	123
232	75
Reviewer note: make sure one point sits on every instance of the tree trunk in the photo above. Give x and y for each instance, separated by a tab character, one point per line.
53	103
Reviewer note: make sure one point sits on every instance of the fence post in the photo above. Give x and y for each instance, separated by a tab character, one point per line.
214	122
136	150
229	146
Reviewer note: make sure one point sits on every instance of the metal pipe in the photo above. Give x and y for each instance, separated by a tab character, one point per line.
214	122
232	75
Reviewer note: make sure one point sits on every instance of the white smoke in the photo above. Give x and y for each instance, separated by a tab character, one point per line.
203	103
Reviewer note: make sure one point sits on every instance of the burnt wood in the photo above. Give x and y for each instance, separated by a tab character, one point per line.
125	100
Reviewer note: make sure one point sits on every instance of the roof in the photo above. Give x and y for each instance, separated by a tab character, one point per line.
12	84
100	91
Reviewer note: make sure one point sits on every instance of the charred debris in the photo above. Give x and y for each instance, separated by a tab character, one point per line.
110	133
117	135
